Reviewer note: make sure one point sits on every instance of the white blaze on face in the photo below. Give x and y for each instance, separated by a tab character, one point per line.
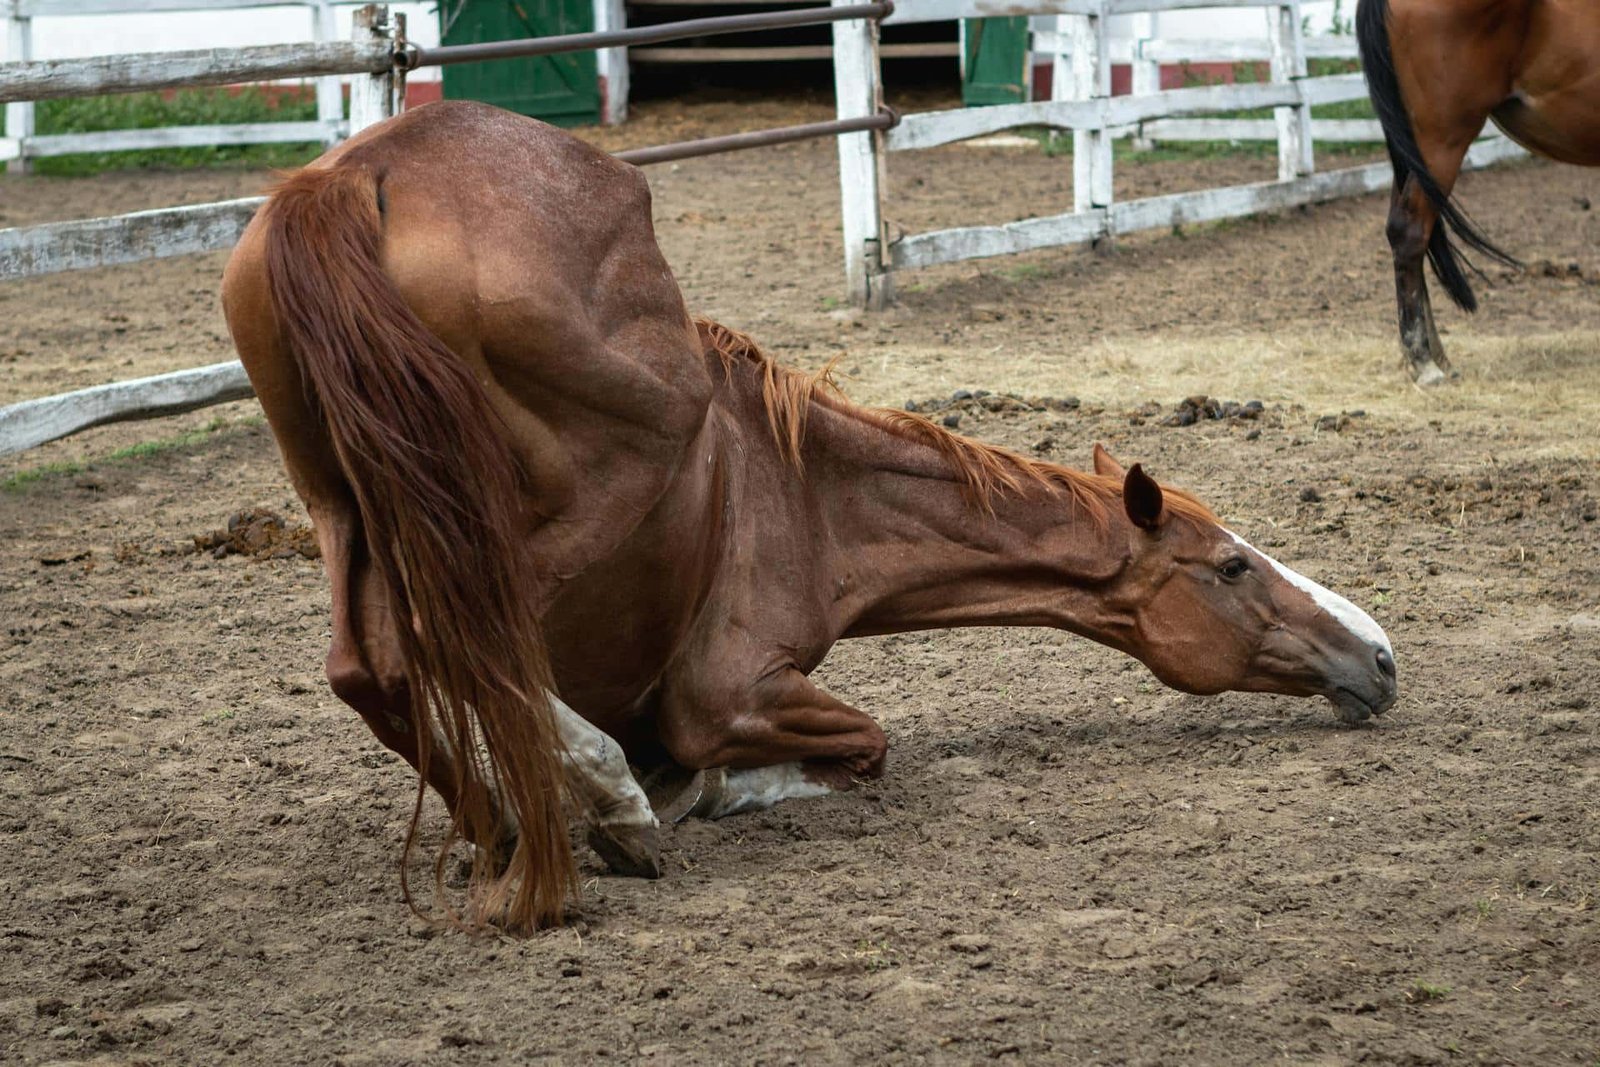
1347	614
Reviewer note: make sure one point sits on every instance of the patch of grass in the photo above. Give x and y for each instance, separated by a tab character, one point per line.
186	107
21	480
1024	272
1423	992
24	480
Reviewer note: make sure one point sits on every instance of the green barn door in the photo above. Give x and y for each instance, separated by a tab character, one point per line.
994	61
563	90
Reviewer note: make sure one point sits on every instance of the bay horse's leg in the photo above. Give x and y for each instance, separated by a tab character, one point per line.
1412	219
781	738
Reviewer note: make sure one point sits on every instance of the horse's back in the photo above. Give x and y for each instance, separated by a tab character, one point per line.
532	255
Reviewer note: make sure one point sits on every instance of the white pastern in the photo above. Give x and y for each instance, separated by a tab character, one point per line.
761	787
1353	618
600	770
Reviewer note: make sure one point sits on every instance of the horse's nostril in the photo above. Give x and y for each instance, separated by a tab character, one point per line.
1385	663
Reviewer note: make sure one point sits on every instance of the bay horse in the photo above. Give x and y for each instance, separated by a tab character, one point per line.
568	528
1436	71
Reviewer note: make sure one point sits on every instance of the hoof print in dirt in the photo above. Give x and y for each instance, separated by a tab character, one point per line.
260	534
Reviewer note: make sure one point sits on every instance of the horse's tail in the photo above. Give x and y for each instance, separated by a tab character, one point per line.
438	492
1383	85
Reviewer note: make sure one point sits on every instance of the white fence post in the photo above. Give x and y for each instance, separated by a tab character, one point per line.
1295	146
330	90
859	93
1091	80
612	63
19	116
372	96
1146	70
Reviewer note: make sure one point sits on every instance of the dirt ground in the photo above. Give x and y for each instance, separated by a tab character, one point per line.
1065	863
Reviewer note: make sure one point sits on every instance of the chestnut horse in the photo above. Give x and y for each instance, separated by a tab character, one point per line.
1436	71
532	473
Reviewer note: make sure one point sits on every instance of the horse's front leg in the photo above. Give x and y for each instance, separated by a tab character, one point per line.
780	739
1412	219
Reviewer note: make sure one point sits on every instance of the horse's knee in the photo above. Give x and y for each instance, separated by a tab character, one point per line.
1407	233
1409	225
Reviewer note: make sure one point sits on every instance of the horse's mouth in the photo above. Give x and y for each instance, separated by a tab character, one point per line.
1355	708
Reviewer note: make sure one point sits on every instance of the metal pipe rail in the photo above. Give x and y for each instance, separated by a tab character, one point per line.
410	57
886	118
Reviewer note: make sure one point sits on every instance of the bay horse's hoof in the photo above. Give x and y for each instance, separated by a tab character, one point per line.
1430	374
631	851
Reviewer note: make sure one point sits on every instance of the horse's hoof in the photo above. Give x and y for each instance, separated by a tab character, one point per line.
1429	374
629	851
675	792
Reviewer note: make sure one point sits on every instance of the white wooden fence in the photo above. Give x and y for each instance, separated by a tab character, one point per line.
376	92
1081	101
20	144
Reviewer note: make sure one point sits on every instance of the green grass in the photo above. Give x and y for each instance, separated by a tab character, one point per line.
24	480
188	107
1422	992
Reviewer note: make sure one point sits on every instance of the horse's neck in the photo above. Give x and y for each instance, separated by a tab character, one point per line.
909	550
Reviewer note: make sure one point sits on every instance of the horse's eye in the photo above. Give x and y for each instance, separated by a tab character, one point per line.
1234	568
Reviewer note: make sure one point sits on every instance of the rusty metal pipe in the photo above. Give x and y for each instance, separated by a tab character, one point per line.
707	146
410	57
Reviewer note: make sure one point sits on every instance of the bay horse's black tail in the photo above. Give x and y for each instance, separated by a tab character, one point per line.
1377	60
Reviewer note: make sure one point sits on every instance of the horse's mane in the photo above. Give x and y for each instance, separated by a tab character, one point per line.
986	471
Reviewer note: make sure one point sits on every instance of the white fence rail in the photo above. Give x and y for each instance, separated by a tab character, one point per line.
19	144
1082	102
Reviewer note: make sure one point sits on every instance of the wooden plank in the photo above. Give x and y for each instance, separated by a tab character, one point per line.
974	242
330	88
909	11
62	144
781	53
1126	110
928	129
49	8
1295	157
33	422
1091	81
858	93
59	246
1336	130
977	242
1334	88
138	71
1210	205
372	96
1132	7
19	116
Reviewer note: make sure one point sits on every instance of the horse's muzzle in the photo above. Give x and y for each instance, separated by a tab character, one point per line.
1366	689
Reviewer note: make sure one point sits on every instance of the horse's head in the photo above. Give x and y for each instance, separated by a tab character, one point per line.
1206	612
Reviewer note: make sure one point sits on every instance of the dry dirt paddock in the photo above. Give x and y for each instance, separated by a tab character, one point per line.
1065	863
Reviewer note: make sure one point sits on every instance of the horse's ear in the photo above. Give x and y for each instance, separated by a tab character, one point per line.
1141	498
1104	465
